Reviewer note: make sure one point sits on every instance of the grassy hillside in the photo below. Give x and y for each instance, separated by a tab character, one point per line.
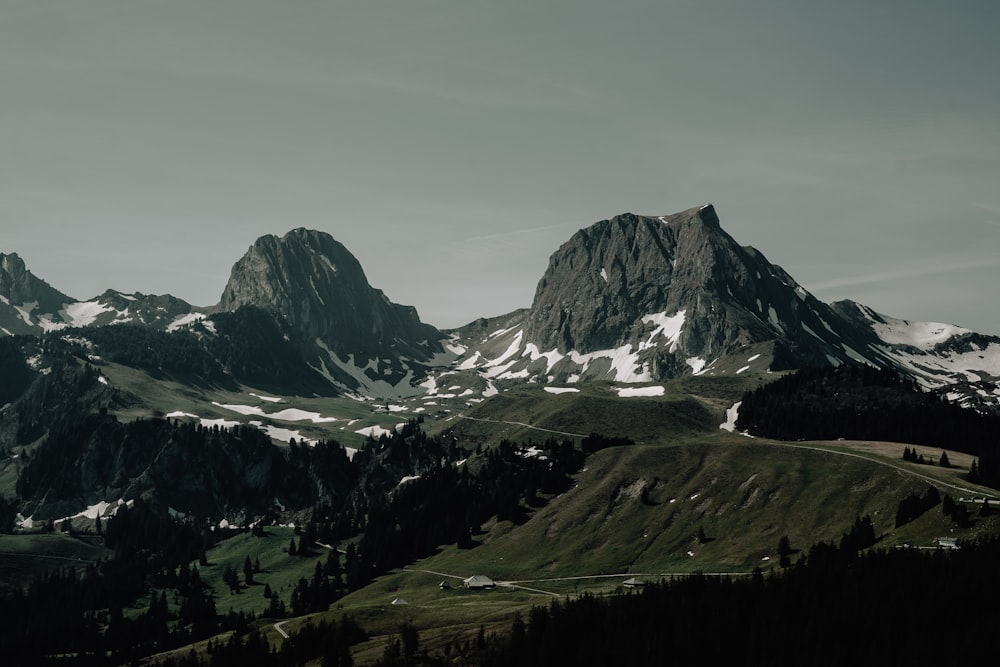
639	511
641	508
24	556
687	407
687	497
144	396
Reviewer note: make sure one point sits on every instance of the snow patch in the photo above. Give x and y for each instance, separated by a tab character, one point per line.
511	350
84	313
731	415
624	363
697	364
365	383
667	326
552	357
625	392
288	414
269	399
561	390
184	320
810	331
921	335
854	354
286	435
772	317
377	431
25	311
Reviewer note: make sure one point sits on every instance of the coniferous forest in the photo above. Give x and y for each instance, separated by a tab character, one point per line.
155	553
860	402
834	606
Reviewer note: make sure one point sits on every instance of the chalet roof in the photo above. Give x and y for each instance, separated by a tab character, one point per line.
631	582
399	601
478	581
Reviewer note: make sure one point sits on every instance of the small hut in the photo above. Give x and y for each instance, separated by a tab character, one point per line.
478	582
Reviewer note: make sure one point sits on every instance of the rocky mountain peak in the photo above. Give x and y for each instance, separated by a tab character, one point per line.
640	298
19	286
319	288
23	297
606	278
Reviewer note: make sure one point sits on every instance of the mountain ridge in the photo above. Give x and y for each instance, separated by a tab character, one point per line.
630	299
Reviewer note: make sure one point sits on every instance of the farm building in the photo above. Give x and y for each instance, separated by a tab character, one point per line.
478	582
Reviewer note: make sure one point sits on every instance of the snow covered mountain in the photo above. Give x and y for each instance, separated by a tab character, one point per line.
960	364
639	299
29	305
633	299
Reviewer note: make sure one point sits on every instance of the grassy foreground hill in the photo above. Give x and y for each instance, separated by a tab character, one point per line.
718	504
686	498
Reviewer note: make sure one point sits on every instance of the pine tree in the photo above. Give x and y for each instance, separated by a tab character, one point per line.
784	551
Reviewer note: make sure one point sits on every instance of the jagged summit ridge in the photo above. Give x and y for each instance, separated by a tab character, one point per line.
605	286
645	298
602	281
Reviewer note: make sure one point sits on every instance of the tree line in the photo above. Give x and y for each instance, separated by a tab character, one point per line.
861	402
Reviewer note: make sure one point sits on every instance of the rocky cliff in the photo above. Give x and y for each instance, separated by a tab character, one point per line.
23	297
646	298
360	338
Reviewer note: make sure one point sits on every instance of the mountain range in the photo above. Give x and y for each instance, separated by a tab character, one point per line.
633	299
305	413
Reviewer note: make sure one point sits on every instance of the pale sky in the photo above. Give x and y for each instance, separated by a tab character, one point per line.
452	146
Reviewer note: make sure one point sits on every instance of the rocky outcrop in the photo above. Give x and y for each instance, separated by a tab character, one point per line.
23	296
665	296
318	287
647	298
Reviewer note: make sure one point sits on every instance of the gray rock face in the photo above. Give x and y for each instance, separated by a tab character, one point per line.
642	299
603	282
320	289
23	296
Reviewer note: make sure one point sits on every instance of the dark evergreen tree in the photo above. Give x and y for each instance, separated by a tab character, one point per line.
248	571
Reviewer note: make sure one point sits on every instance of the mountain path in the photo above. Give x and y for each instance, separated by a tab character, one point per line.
523	425
874	459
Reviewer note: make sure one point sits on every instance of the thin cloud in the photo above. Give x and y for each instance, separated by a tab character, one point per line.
900	274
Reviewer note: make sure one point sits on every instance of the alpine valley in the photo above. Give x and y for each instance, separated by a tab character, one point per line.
307	473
